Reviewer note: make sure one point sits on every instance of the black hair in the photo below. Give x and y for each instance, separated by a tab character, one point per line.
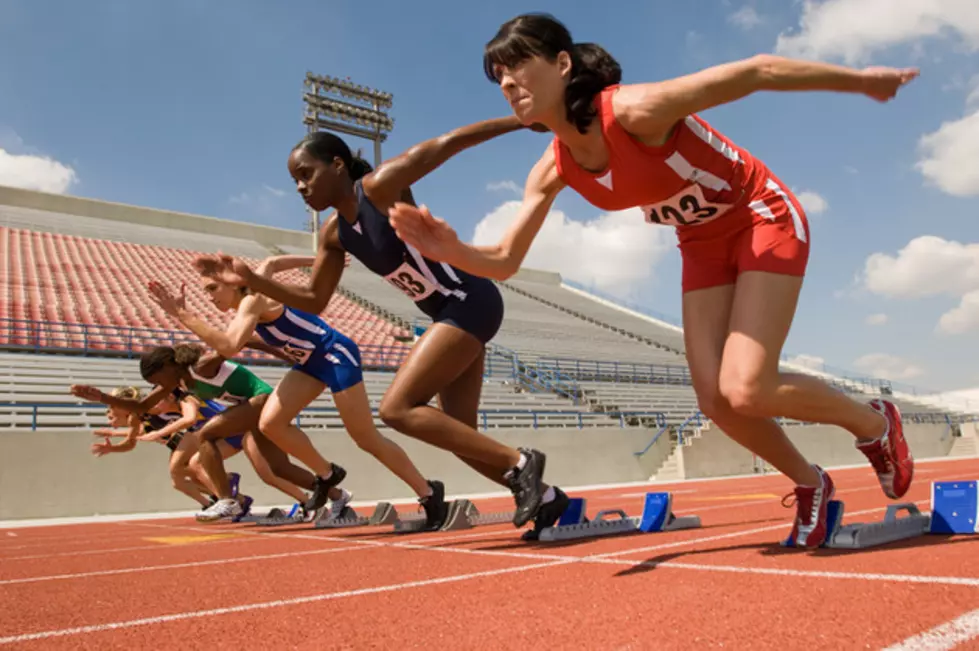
325	146
539	34
154	361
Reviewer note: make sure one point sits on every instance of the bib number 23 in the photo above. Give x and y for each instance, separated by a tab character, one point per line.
407	279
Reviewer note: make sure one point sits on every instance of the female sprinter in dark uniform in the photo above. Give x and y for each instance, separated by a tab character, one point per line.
467	311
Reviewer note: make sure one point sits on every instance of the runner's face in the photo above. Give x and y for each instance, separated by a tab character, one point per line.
224	297
169	376
318	183
116	417
534	88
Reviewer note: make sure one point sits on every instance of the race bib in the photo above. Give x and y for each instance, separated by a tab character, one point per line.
407	279
298	354
688	207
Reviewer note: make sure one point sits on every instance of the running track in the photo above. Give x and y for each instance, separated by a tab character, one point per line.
179	584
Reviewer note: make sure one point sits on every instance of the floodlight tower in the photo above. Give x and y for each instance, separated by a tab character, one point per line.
360	114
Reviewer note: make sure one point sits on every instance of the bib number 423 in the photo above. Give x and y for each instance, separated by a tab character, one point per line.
686	208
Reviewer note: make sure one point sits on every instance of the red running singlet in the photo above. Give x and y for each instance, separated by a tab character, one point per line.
730	212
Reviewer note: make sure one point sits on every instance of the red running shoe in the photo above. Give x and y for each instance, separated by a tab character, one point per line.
890	455
811	527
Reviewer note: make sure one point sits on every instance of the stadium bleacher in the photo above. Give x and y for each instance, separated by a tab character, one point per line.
562	359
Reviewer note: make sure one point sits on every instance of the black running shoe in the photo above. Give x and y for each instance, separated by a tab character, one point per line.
436	508
549	514
322	486
527	486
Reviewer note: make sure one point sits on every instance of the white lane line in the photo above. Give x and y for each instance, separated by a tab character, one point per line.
945	636
162	619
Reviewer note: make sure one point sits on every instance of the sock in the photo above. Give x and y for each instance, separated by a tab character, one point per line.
522	462
549	495
428	493
327	475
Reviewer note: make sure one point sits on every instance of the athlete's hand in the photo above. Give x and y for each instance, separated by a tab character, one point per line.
225	269
171	304
882	83
86	392
433	237
102	448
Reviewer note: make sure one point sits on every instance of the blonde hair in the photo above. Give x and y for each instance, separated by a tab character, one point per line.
130	393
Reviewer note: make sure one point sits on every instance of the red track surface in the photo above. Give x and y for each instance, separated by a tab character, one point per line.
728	584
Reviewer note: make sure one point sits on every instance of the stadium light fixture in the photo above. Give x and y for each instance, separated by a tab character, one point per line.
339	105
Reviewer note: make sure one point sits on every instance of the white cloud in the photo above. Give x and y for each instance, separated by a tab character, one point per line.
615	252
746	18
927	266
35	172
813	203
930	266
876	319
813	362
888	367
972	99
949	155
509	186
855	30
274	191
850	169
963	318
966	399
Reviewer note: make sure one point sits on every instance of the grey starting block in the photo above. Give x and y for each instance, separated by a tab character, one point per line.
278	518
463	514
657	516
863	535
384	513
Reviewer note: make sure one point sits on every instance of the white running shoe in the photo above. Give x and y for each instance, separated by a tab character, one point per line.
219	510
337	506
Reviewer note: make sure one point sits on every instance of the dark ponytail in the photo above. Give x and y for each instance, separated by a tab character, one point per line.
186	355
154	361
358	168
592	68
324	147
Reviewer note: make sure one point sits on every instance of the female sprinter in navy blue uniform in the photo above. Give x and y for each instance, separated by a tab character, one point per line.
467	310
323	358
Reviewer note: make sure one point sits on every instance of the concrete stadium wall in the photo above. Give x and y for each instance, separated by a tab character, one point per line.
52	474
716	455
266	235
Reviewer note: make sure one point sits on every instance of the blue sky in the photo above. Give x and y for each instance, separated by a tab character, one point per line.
193	106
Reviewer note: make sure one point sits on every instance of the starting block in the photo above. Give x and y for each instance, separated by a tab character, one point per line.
954	510
657	515
463	514
279	518
384	513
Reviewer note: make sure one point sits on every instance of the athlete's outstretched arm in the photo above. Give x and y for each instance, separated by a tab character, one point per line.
436	240
106	447
227	343
273	265
190	413
138	407
652	109
385	185
326	274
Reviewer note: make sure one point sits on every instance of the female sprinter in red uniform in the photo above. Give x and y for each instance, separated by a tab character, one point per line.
743	237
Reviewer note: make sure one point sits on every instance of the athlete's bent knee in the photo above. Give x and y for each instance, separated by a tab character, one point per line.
393	413
747	397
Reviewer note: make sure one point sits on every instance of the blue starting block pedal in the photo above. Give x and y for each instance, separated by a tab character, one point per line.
954	507
657	516
955	510
574	513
